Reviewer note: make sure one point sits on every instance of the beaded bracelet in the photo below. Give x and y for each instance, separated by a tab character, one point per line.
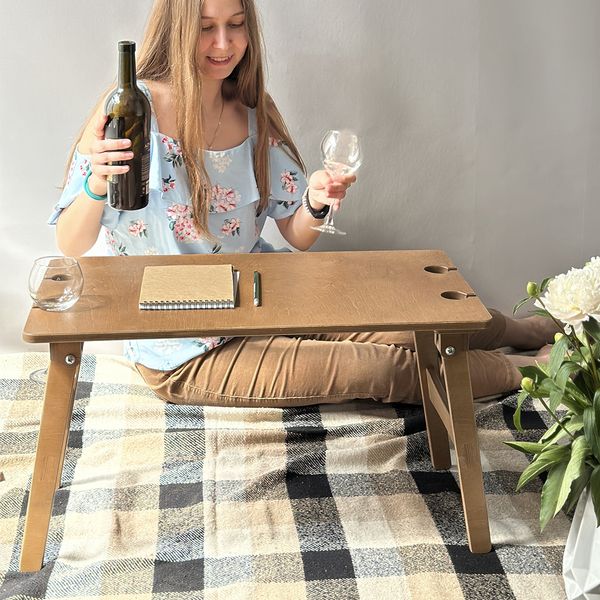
315	214
91	194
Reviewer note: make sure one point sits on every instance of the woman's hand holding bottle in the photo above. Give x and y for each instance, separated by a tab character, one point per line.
103	152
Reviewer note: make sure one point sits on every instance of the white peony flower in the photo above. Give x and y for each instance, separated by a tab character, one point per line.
593	263
574	297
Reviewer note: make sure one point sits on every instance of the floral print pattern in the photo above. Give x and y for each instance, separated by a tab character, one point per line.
117	248
166	225
231	227
167	346
172	151
181	223
168	183
289	181
138	228
220	161
85	167
223	199
83	164
285	203
210	343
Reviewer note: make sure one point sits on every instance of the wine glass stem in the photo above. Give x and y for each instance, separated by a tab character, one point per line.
329	216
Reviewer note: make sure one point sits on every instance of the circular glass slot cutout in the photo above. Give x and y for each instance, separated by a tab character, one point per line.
454	295
439	269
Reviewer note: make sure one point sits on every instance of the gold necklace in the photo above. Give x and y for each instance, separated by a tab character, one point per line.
218	124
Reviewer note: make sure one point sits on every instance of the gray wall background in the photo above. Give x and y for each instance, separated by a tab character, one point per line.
479	119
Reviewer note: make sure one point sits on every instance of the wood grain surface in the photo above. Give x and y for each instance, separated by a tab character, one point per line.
308	292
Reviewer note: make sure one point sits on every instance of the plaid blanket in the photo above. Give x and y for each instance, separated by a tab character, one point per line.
162	502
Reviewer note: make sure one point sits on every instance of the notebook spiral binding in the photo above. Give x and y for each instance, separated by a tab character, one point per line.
187	305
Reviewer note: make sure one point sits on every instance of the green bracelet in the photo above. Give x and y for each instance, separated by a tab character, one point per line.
91	194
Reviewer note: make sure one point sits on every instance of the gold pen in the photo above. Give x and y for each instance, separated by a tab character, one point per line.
257	292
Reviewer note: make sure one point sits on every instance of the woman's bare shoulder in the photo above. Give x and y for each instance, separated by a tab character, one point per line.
162	104
158	89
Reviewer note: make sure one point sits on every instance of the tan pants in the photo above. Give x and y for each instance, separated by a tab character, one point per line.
325	368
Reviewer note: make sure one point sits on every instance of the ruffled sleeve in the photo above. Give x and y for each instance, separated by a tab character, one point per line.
287	183
78	170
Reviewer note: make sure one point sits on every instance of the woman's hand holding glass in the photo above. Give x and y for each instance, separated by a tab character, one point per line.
103	153
342	156
328	189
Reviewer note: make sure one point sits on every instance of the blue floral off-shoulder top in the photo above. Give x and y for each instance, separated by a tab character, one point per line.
165	226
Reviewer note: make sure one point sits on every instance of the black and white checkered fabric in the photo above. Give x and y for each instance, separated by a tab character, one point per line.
167	502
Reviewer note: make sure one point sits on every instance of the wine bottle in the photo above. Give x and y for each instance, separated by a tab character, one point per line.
129	113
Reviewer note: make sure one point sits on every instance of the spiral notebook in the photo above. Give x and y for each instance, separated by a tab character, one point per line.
188	287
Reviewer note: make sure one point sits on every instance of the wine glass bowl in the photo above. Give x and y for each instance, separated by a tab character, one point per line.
341	154
55	282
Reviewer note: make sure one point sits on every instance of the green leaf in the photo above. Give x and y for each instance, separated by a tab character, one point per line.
595	489
596	405
517	416
564	372
577	395
546	387
534	372
554	430
586	354
540	312
557	354
520	303
542	462
580	450
527	447
592	328
591	425
555	400
572	405
584	380
577	357
572	423
544	284
550	492
578	487
575	424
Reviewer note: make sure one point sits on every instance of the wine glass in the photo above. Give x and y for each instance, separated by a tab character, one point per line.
341	155
55	282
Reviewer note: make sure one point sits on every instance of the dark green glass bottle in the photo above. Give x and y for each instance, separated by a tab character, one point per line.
129	113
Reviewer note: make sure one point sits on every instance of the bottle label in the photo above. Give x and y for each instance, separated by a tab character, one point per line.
146	168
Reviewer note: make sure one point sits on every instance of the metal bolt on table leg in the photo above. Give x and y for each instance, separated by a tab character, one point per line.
70	359
450	351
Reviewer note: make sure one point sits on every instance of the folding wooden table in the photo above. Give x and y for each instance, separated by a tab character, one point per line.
420	291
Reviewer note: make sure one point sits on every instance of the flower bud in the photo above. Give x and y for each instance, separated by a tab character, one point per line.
528	385
558	336
532	289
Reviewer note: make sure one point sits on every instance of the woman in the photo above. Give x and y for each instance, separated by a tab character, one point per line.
222	160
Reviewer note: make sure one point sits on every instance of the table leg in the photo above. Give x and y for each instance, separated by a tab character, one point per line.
454	348
428	358
63	371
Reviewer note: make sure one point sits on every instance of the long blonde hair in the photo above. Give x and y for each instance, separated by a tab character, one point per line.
168	54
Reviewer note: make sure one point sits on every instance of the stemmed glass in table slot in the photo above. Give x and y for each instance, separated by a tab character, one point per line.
341	155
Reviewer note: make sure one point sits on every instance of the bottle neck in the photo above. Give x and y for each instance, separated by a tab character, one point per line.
127	78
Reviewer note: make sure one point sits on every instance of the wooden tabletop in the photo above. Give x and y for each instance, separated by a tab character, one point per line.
304	292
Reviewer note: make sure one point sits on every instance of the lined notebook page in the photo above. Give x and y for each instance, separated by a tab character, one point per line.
187	287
